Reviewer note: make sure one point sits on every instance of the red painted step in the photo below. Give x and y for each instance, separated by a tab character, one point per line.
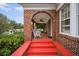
35	54
42	41
42	51
42	45
42	48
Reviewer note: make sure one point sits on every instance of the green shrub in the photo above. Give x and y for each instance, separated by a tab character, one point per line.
5	51
10	42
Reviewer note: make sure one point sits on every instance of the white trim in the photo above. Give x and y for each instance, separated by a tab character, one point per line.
40	8
65	33
69	35
73	17
59	21
59	6
77	19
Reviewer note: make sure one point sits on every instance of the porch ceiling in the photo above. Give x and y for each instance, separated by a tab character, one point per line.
41	18
37	6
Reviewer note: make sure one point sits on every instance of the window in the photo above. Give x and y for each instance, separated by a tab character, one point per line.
69	19
65	18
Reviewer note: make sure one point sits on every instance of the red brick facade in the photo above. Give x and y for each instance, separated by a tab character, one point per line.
28	14
69	42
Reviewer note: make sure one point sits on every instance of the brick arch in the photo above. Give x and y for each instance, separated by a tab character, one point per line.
45	13
41	12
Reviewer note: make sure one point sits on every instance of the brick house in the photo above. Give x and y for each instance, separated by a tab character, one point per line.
62	22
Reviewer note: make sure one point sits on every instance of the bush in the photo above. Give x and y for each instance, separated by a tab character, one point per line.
9	43
5	51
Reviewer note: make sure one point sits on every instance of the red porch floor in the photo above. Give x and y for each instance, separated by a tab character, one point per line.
42	47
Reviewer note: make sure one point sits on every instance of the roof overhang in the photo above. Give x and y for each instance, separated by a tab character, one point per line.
42	6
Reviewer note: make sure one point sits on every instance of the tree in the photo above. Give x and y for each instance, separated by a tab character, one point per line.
3	22
7	24
18	26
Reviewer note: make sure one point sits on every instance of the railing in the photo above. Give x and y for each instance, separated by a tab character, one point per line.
21	50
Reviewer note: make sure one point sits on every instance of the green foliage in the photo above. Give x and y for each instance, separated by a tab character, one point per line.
7	24
42	26
10	43
2	23
4	51
18	26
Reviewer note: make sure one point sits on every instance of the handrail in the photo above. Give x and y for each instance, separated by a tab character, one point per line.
21	50
63	51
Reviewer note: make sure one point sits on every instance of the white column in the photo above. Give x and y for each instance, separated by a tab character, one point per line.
51	23
60	21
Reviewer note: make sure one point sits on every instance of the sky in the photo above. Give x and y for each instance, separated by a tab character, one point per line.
13	11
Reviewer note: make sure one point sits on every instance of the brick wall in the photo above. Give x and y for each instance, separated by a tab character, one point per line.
27	25
27	22
71	43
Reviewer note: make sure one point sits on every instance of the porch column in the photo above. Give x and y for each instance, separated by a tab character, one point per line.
27	25
51	30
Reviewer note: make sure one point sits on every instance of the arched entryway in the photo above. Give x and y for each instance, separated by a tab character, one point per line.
43	21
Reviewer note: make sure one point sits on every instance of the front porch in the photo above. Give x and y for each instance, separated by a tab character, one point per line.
57	26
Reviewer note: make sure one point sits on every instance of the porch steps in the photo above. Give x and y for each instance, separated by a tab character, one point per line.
42	48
